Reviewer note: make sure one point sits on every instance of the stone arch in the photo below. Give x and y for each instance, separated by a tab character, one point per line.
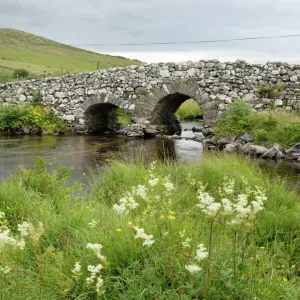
161	103
101	113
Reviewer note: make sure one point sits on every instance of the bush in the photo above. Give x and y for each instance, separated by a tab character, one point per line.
270	127
36	118
20	73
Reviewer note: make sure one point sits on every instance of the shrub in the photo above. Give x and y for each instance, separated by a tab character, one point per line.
271	126
20	73
37	98
36	118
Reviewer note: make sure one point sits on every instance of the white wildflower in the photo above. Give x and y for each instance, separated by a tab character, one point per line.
141	191
99	285
201	253
205	199
89	280
169	186
120	209
21	244
96	248
2	215
186	243
193	269
153	181
6	239
140	233
93	223
23	228
227	206
5	270
212	209
77	270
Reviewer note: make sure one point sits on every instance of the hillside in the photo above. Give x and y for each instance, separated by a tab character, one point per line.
44	57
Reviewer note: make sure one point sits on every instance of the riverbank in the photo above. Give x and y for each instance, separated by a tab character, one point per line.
150	221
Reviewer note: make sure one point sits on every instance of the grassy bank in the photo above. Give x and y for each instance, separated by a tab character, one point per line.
269	127
43	57
157	232
189	110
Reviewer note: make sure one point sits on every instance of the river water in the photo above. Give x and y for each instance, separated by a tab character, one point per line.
84	154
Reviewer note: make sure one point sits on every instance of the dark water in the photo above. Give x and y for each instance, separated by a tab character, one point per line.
86	153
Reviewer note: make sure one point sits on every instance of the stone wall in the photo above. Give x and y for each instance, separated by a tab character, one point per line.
153	92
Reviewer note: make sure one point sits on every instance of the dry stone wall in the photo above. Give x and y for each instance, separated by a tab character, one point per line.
152	91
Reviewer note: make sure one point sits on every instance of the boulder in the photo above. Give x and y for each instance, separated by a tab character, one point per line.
223	142
229	148
248	138
293	152
199	137
273	153
254	150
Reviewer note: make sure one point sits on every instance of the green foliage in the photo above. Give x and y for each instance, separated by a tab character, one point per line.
37	98
20	73
258	262
11	118
123	118
271	92
189	110
5	75
37	118
271	127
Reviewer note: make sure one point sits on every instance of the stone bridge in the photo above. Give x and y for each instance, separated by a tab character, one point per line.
152	93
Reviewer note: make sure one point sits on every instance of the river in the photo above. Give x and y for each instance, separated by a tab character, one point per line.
84	154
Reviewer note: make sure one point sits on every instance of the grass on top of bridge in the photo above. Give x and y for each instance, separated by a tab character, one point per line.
41	56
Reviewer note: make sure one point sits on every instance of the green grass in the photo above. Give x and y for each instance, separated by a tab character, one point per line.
189	110
123	118
259	261
269	127
43	57
6	75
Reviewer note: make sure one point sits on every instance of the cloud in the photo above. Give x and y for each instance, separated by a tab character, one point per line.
134	21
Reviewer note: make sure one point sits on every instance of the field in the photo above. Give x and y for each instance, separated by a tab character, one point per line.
220	229
43	57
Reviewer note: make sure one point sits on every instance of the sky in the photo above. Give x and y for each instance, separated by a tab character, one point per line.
86	22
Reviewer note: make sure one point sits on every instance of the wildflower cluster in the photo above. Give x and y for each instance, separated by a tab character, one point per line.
240	208
201	254
140	233
25	229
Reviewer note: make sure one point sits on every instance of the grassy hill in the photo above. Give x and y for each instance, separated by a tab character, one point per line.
43	57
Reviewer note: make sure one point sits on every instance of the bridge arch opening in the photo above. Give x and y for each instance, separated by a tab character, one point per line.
172	109
103	118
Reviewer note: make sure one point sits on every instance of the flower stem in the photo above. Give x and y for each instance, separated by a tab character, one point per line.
234	255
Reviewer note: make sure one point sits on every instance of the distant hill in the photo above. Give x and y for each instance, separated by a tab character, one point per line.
41	56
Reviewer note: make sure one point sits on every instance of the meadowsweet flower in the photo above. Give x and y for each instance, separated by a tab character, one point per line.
99	285
23	228
96	248
153	182
2	215
193	269
169	186
5	270
6	239
36	232
140	233
120	209
212	209
77	270
227	206
21	244
186	243
93	223
201	253
141	191
125	204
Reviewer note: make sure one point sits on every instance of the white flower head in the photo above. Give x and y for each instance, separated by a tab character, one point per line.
201	253
193	269
96	248
153	182
77	270
141	191
23	228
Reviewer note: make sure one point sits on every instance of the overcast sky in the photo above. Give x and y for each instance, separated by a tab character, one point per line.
82	22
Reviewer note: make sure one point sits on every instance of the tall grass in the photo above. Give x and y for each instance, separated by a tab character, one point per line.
189	110
266	257
272	126
5	75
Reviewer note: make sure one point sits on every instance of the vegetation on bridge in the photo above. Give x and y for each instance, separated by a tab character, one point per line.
219	230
